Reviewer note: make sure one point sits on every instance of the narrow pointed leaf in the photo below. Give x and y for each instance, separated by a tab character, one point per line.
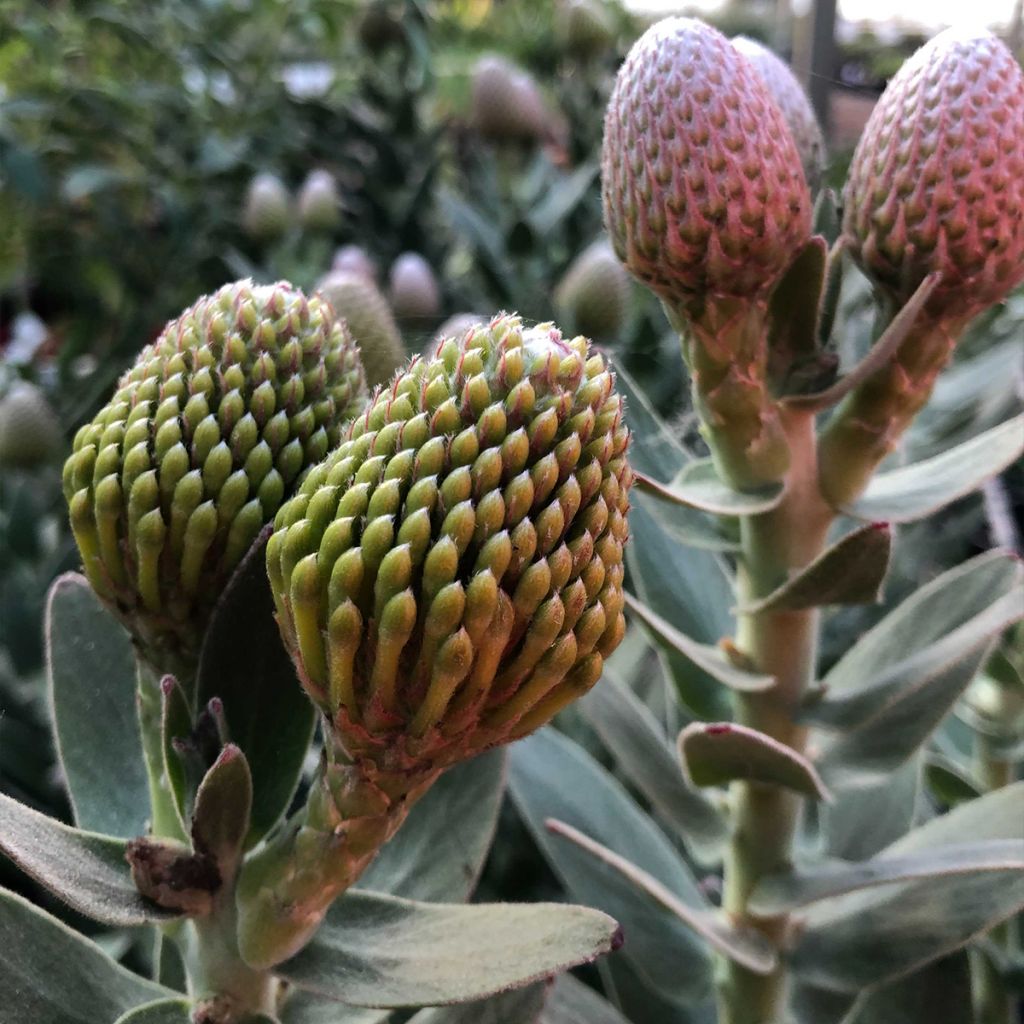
52	975
717	753
851	571
878	355
162	1011
380	950
916	491
780	894
749	949
91	671
651	763
244	663
522	1005
220	821
711	660
572	1002
175	723
699	486
552	777
440	850
85	870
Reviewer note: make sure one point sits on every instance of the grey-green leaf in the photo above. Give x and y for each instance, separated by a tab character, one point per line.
91	672
244	663
940	991
651	763
309	1008
439	851
520	1006
85	870
805	884
699	486
572	1002
52	975
711	660
552	777
851	571
220	821
161	1011
900	679
913	492
748	948
380	950
717	753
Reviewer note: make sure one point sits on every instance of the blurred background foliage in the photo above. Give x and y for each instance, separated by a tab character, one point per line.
130	134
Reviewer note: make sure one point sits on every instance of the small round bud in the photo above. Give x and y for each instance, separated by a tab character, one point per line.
267	211
29	430
506	102
319	203
593	296
413	288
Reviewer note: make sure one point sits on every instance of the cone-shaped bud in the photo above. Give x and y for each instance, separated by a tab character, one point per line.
319	202
454	327
593	296
506	102
584	28
937	180
267	211
209	431
359	302
412	287
30	433
451	575
793	102
936	187
704	194
355	259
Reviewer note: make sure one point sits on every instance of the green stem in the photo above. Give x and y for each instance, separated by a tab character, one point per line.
164	820
993	1003
784	645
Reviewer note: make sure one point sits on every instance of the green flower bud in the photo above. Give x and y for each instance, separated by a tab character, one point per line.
358	301
29	430
186	474
594	293
267	212
319	203
468	583
507	104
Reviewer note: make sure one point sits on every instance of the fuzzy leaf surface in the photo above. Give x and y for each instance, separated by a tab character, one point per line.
85	870
717	753
91	671
244	663
380	950
698	485
440	850
851	571
650	761
161	1011
916	491
310	1008
552	777
52	975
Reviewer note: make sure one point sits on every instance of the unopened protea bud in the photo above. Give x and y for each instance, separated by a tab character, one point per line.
506	102
584	27
267	211
359	302
454	327
30	433
208	432
936	187
447	580
793	102
593	296
319	202
412	287
704	195
356	260
705	202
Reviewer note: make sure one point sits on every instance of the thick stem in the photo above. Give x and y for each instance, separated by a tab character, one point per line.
784	645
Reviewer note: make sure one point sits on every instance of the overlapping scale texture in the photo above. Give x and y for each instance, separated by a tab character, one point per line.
704	194
937	181
209	431
452	574
792	101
